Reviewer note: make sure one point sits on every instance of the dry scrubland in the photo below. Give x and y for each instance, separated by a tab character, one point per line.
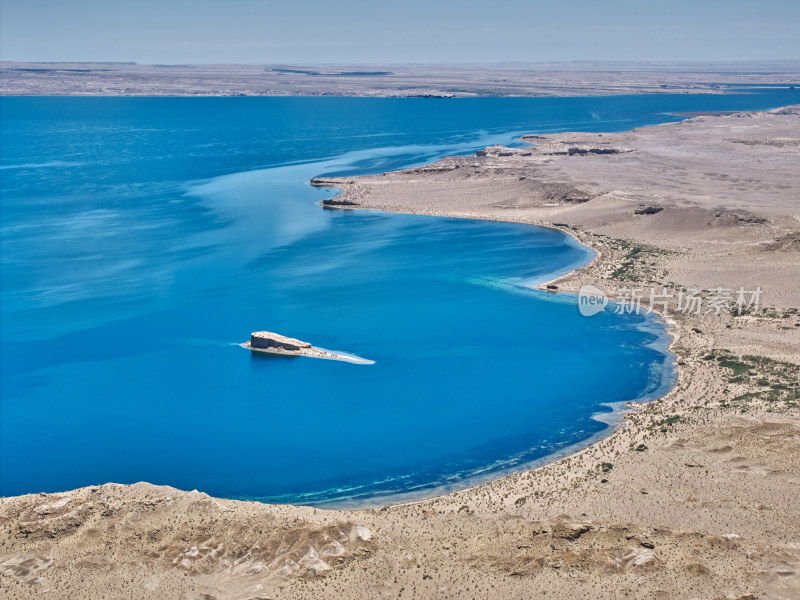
693	496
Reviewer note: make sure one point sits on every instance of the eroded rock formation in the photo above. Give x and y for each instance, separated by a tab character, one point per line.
266	340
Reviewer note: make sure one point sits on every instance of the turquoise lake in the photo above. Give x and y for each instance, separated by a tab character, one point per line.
143	239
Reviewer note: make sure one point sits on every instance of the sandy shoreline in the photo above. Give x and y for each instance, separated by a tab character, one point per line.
692	496
614	418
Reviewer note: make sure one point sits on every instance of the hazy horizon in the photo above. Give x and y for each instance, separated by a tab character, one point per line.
598	64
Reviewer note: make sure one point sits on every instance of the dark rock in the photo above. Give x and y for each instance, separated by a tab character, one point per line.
570	531
334	202
321	182
583	151
267	340
747	218
649	210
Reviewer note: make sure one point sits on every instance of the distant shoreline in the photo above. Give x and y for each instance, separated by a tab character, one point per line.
584	78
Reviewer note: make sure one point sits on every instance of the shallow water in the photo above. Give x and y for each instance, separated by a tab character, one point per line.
143	239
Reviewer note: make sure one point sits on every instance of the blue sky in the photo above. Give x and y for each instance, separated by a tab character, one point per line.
372	31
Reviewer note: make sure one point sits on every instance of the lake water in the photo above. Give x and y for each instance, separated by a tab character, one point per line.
143	239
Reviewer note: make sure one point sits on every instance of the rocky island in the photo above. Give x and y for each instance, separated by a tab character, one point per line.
274	343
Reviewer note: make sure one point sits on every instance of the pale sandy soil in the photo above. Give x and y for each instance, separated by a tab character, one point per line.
693	496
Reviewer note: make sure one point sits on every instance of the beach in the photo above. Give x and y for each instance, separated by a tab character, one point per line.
691	496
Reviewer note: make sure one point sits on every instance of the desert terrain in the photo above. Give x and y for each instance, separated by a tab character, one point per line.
512	79
692	496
